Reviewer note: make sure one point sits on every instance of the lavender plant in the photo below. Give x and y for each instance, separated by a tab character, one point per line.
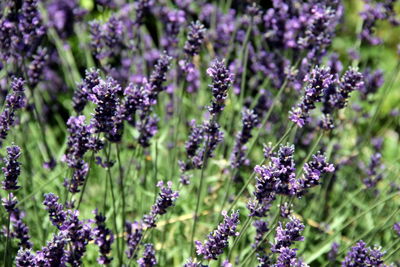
130	130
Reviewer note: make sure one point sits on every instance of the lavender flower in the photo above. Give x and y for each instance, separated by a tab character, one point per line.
261	229
195	139
149	257
333	252
195	39
351	80
103	237
134	236
288	258
286	236
361	255
221	81
374	171
25	258
30	23
278	177
16	100
314	169
142	7
396	228
318	81
212	137
20	229
147	129
80	97
136	98
285	210
158	76
55	209
104	95
54	254
166	198
35	68
249	121
12	168
218	239
372	82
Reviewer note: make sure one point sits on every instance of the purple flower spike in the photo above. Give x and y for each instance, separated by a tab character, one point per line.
218	239
134	236
221	81
351	80
103	237
361	255
25	258
12	169
149	257
288	234
195	38
318	82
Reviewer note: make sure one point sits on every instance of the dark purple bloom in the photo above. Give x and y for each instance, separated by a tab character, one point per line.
134	233
79	234
396	228
259	208
370	15
149	258
278	177
372	82
16	99
63	14
221	81
288	258
193	263
333	252
314	169
218	239
158	77
261	229
147	128
285	210
104	95
288	234
212	137
166	198
361	255
249	122
318	81
195	38
172	22
136	99
350	81
80	97
20	229
142	8
35	68
55	209
103	237
12	168
195	139
30	24
25	258
54	254
374	171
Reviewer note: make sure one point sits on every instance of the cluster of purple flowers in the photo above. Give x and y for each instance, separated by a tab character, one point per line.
166	198
12	171
323	86
78	233
285	237
218	239
103	237
375	167
15	100
361	255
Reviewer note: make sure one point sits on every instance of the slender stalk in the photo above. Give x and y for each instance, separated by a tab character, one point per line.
201	182
5	258
122	192
113	204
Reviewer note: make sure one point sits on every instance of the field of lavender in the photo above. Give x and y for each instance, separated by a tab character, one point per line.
200	133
